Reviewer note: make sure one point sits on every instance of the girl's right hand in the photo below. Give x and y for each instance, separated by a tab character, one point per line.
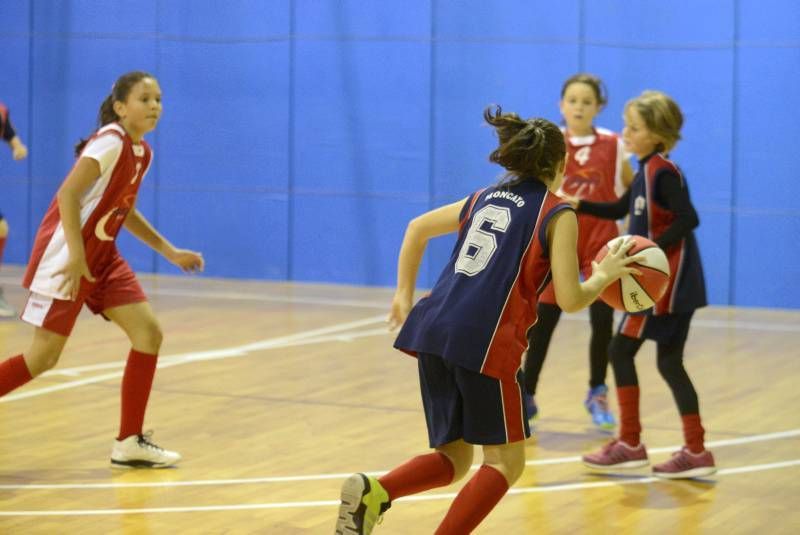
615	264
72	273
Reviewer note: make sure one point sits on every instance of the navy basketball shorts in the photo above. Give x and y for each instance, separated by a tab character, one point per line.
463	404
666	329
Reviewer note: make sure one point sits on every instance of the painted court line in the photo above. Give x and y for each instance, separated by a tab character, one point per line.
426	497
168	361
319	477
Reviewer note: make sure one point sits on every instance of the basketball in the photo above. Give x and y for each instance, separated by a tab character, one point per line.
637	293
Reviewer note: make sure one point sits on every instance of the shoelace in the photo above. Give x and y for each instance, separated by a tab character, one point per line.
602	400
144	440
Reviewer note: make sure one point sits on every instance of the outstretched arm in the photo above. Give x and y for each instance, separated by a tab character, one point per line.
139	226
420	230
571	294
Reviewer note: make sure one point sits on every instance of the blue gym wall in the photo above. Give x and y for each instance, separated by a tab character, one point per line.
300	136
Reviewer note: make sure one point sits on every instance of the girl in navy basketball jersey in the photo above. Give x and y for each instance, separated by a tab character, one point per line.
75	261
469	333
18	151
597	170
659	207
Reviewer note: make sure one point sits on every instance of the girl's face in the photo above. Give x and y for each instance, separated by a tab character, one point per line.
579	106
637	138
140	112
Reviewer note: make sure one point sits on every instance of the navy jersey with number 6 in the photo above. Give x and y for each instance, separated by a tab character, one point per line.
478	314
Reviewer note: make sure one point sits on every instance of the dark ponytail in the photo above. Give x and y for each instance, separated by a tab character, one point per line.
529	149
119	92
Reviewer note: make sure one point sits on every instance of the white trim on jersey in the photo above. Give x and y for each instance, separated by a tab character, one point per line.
106	150
36	309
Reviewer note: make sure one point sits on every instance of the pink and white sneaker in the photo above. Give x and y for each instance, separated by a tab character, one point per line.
684	464
616	454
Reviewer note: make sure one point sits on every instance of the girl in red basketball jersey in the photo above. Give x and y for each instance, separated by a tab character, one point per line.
18	151
469	333
659	207
597	170
75	261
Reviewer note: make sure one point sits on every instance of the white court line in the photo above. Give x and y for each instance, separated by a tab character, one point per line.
185	358
318	477
425	497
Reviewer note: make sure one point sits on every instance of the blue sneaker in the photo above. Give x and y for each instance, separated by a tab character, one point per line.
597	405
531	410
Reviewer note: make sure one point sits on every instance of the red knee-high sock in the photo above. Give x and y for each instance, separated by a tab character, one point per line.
2	246
693	432
474	502
13	374
418	475
630	427
136	384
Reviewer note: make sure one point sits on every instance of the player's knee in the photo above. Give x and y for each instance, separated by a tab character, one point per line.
670	368
3	228
40	362
460	458
149	337
512	467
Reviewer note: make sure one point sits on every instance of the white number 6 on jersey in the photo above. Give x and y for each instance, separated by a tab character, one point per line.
479	245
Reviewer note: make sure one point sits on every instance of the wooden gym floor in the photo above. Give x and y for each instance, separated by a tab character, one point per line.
275	392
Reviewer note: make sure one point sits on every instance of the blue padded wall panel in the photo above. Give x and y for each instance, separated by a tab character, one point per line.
96	20
469	77
349	19
361	117
760	281
241	234
651	25
767	129
769	22
349	239
225	116
229	21
511	21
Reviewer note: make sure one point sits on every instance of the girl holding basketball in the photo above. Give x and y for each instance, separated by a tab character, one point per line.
75	261
659	208
468	334
597	170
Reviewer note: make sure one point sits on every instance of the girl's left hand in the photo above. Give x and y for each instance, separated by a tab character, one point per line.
401	306
189	261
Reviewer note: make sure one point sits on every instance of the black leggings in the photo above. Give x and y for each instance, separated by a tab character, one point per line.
622	351
601	317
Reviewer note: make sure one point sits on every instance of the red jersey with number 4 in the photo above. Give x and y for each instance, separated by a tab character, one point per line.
103	209
594	173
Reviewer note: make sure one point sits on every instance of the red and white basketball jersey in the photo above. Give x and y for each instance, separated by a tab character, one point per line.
594	173
103	209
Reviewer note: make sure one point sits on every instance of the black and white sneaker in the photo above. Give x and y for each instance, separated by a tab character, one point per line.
137	451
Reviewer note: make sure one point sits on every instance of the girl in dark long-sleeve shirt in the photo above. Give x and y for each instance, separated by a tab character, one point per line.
659	207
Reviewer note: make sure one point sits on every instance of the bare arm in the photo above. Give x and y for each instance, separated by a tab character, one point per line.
79	179
627	173
420	230
571	294
139	226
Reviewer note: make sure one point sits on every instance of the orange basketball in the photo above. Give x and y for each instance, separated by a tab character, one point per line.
637	293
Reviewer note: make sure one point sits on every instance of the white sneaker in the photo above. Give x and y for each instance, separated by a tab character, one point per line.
6	311
137	451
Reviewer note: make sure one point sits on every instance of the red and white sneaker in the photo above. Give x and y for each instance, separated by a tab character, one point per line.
685	464
616	454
